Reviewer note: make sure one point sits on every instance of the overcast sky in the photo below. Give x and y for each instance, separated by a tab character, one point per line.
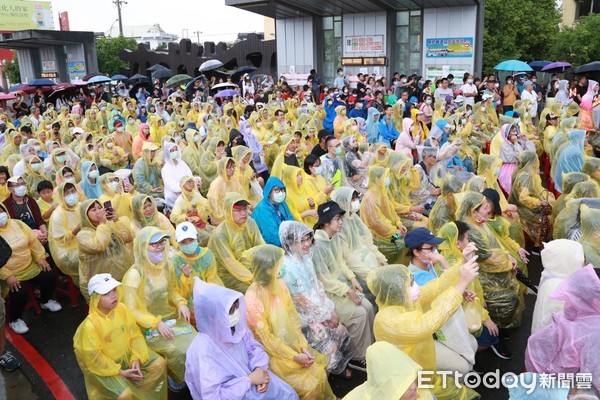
211	17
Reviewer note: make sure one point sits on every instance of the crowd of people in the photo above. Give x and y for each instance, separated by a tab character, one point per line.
248	247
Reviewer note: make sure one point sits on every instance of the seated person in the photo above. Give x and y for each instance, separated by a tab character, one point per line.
111	351
231	238
272	210
191	206
21	206
224	361
118	192
427	194
146	172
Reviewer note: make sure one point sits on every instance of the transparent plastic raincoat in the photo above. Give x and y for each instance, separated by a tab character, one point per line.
193	207
33	178
568	218
445	206
157	220
408	326
378	213
355	242
104	344
146	172
62	241
192	152
390	373
229	241
219	188
560	258
571	343
208	166
505	302
591	166
151	294
121	202
569	181
314	308
590	234
404	178
244	173
488	168
275	323
219	360
570	158
102	248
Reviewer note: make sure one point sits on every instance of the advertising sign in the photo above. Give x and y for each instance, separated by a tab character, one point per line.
449	47
16	15
363	44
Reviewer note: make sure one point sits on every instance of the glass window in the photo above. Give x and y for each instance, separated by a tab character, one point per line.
415	62
327	23
402	50
415	12
402	18
402	34
337	29
415	43
415	25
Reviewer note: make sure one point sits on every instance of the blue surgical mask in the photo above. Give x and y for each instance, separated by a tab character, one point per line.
388	182
21	190
3	218
319	170
338	151
61	159
71	199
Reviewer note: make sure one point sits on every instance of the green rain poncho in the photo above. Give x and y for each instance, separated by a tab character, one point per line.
504	301
151	294
566	221
569	181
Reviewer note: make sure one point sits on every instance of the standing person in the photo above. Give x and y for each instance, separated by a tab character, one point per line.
530	95
443	91
469	90
111	351
315	85
340	80
510	94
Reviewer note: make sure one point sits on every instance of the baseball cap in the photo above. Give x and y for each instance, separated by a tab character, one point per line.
185	230
550	116
327	211
493	196
158	236
14	179
238	205
420	236
149	146
102	284
77	130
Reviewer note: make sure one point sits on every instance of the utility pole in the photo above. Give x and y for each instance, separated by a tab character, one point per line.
118	3
198	33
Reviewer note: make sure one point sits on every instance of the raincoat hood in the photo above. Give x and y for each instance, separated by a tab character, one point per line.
471	201
580	293
141	245
167	152
264	261
84	207
137	207
562	257
230	199
290	234
390	285
343	196
270	184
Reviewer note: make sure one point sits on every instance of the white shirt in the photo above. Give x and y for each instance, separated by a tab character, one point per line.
470	89
532	97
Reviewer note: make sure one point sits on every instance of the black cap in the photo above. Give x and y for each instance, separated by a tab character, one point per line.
420	236
550	116
241	204
323	134
327	211
493	196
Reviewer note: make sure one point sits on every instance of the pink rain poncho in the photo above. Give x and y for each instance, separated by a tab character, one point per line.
218	361
571	343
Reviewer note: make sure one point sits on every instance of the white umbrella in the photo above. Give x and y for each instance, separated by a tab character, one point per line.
210	65
224	85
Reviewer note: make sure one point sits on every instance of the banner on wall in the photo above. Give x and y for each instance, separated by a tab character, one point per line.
449	47
363	44
16	15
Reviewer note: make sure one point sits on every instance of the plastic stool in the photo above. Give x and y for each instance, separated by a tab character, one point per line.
33	300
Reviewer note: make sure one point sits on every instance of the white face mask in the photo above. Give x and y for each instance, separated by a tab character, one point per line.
130	121
415	292
71	199
109	145
279	197
234	318
175	155
21	190
3	218
355	205
120	129
196	138
319	170
469	81
114	186
94	174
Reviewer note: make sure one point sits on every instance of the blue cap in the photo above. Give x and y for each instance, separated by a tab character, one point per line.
420	236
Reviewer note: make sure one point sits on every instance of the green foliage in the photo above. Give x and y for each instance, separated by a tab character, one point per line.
579	45
518	29
161	46
108	49
11	71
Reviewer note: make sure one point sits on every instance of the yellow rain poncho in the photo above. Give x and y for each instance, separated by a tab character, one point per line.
504	301
193	152
12	141
157	219
219	188
489	168
591	166
102	248
27	250
527	193
146	171
202	265
33	178
570	179
277	169
208	163
410	325
105	344
113	153
445	206
378	214
404	178
390	374
566	221
590	234
121	202
297	196
193	207
244	174
63	243
355	242
229	241
151	294
273	319
381	160
157	130
316	184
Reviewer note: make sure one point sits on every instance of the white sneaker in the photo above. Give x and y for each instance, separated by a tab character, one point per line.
52	306
19	326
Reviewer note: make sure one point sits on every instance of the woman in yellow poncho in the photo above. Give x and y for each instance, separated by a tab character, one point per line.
287	149
382	155
566	220
528	194
215	151
111	351
191	206
570	179
151	294
91	122
377	212
299	196
314	182
193	152
273	319
157	129
591	166
102	243
34	174
64	225
445	206
146	214
242	156
113	153
12	141
225	182
114	191
409	321
505	302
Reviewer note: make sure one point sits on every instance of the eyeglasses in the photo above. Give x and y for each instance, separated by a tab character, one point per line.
160	245
241	210
429	249
278	190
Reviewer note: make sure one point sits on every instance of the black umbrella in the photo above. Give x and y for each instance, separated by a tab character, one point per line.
156	67
138	78
594	66
163	73
241	71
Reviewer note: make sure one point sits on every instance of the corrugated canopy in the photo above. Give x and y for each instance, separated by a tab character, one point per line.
38	38
281	9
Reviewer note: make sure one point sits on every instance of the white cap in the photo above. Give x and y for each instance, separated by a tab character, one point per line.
486	96
102	284
77	130
185	230
459	99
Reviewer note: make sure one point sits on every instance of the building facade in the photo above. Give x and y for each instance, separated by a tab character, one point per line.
378	37
152	36
572	10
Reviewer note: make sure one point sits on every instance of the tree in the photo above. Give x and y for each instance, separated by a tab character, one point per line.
579	45
160	47
11	71
518	29
107	51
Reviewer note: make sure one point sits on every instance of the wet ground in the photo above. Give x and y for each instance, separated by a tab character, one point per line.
51	335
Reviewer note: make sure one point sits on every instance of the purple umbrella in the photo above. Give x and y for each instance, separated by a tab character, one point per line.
226	93
559	66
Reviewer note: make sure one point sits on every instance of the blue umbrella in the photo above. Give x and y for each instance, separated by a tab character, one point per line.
14	88
226	93
99	79
513	65
538	65
42	82
118	77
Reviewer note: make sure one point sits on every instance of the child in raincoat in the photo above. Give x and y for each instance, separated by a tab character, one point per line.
191	206
276	325
111	351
